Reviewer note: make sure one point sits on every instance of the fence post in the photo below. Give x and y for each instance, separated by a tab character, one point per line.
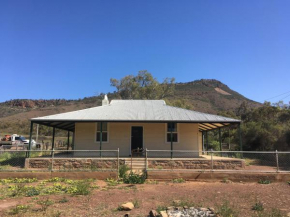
52	157
277	161
118	163
211	158
146	159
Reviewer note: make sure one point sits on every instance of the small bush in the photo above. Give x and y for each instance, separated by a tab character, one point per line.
258	207
80	188
134	178
63	200
17	190
161	208
123	169
32	192
45	204
17	180
264	181
225	210
179	180
111	182
19	209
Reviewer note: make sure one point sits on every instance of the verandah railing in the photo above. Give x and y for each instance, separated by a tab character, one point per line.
252	161
59	160
109	160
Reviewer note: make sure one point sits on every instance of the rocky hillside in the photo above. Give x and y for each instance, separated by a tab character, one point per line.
206	95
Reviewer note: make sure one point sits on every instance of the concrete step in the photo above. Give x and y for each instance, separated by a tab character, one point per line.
138	165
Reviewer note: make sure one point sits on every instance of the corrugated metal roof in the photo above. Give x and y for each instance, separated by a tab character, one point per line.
136	110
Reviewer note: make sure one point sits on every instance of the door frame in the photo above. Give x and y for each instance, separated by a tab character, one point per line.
131	138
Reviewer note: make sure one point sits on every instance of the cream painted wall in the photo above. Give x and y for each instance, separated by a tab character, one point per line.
154	137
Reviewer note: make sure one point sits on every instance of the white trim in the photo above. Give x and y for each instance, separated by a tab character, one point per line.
178	134
96	130
131	137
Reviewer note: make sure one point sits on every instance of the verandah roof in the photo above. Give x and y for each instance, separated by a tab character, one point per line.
135	111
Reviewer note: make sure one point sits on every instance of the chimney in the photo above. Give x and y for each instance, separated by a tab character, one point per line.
105	101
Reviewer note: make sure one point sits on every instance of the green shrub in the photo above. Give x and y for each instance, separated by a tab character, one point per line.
225	210
80	188
17	190
179	180
19	209
134	178
264	181
18	180
160	208
45	204
32	192
258	207
111	182
123	169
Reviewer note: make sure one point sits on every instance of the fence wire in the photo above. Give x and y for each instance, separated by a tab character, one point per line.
218	160
59	160
108	160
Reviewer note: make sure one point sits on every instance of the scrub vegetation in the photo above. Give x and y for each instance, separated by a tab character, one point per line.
66	197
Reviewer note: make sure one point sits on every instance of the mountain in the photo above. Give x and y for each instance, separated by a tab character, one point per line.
205	95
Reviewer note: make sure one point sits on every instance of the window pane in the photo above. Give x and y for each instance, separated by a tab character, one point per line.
98	136
171	126
104	136
174	137
104	126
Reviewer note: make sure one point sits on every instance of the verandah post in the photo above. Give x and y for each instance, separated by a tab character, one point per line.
67	140
171	139
53	135
30	138
101	137
206	134
277	161
118	163
220	141
240	138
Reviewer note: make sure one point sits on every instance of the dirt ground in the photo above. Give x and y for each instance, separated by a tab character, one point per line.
104	200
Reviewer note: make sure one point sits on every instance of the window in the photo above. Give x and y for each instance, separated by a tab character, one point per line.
172	127
104	131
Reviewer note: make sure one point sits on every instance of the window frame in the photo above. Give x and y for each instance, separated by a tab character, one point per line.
177	132
96	131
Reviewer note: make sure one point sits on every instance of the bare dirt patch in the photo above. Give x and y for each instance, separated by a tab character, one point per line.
104	200
222	91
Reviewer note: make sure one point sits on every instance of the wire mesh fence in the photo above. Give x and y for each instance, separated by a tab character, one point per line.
109	160
218	160
59	160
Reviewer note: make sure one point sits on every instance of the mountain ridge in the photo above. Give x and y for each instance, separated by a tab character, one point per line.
204	95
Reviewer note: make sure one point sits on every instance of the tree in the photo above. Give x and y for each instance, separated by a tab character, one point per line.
143	86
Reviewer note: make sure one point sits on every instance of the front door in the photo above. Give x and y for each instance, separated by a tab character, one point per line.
136	138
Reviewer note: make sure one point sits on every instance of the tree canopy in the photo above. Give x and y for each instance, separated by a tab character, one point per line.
143	86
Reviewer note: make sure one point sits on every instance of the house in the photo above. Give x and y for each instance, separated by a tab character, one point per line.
136	124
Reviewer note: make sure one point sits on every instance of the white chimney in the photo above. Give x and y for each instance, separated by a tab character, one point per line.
105	101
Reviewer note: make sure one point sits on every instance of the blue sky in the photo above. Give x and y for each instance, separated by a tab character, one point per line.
70	49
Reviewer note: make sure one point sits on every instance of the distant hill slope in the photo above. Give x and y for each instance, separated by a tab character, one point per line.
206	95
209	95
